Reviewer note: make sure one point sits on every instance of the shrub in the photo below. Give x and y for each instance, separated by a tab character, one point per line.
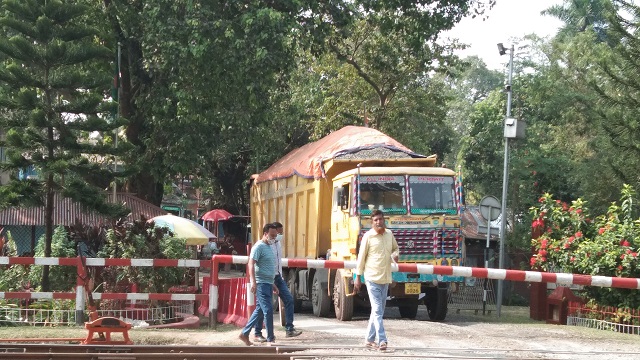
570	241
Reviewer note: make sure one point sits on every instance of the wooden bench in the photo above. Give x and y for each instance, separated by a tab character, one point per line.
105	326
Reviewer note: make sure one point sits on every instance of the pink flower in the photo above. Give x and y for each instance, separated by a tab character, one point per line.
573	258
567	245
543	243
624	243
542	252
578	234
570	239
541	200
622	256
578	211
601	231
532	262
620	267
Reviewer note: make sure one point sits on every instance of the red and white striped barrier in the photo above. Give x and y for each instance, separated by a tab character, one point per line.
103	296
4	260
499	274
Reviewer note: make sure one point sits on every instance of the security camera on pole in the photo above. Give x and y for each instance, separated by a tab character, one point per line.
513	128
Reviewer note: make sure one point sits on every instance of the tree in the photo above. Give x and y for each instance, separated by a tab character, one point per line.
58	75
224	69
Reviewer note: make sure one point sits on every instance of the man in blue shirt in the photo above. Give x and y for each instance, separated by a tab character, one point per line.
262	270
283	291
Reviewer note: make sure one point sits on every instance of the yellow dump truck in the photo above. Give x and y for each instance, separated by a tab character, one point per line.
324	193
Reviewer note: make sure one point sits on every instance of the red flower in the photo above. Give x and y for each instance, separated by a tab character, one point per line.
567	245
541	200
570	239
620	267
565	207
543	259
601	231
578	234
538	223
543	243
622	256
532	262
634	254
628	251
578	211
573	258
558	201
542	252
624	243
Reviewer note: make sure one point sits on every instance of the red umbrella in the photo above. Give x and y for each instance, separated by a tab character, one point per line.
216	215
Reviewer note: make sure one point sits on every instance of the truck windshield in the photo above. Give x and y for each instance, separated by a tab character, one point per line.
384	192
432	194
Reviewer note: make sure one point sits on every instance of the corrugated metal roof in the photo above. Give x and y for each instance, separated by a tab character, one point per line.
67	211
471	218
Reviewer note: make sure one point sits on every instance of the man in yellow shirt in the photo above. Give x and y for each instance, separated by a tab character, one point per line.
377	250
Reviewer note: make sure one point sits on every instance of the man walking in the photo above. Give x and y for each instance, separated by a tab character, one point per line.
283	290
377	250
261	268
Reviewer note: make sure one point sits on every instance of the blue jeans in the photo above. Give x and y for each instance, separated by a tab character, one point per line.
378	299
287	300
264	309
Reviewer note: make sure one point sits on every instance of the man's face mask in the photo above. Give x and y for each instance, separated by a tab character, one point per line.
278	237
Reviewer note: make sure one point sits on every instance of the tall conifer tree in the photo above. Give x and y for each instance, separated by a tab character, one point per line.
57	71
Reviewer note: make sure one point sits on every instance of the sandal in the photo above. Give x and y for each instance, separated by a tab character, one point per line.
371	345
383	346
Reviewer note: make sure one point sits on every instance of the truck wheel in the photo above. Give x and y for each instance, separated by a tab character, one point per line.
436	301
319	298
342	303
291	283
408	308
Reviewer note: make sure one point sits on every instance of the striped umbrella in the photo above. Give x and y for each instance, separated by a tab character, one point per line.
183	228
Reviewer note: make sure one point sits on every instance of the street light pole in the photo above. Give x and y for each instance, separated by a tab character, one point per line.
505	178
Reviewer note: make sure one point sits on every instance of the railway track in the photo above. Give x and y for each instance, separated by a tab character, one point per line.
168	352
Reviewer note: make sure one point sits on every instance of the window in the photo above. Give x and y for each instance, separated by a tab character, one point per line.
432	194
383	192
341	198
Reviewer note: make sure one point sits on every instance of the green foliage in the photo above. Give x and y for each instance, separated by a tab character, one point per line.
141	239
570	241
56	70
61	278
14	277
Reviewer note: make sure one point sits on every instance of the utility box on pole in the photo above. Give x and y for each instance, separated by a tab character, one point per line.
514	128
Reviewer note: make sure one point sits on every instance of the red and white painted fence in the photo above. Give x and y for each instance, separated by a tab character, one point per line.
81	263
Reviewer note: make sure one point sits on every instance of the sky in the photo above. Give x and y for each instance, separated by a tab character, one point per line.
508	19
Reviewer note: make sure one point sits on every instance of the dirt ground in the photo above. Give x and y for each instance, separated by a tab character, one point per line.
463	335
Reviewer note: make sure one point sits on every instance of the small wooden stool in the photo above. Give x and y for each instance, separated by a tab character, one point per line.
107	325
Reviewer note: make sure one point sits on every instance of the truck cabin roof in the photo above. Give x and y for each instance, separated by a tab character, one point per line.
402	170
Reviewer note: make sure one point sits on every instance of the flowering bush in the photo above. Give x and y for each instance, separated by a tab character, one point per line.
567	239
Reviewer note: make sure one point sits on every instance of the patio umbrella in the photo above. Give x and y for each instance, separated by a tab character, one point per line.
183	228
216	215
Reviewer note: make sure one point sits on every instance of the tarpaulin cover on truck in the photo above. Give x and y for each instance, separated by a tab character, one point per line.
308	160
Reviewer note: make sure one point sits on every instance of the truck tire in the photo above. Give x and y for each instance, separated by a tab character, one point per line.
408	308
291	283
342	303
436	302
319	298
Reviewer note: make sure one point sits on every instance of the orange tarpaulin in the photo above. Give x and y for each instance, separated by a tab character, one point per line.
307	161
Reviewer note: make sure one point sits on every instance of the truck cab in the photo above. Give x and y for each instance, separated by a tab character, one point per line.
420	208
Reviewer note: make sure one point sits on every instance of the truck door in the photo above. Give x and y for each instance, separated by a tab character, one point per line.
340	220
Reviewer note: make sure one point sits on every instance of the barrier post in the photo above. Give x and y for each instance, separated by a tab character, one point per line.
213	293
80	291
251	299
